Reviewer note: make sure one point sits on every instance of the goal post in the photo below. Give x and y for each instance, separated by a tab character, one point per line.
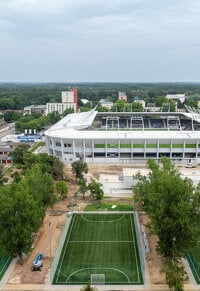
97	279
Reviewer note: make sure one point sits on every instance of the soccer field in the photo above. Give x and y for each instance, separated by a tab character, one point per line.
194	261
4	262
100	244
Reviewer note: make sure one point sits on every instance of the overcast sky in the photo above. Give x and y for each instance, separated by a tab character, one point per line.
100	40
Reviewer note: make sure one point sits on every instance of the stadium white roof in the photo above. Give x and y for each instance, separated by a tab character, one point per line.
75	121
94	134
76	125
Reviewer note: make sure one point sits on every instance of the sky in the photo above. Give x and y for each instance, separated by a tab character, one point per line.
99	41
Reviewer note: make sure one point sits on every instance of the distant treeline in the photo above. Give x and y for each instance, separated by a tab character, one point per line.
16	96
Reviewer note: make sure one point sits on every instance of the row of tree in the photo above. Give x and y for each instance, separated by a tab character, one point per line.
23	204
37	184
24	201
17	96
173	205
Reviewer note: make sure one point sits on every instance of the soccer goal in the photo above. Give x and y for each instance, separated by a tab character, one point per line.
97	279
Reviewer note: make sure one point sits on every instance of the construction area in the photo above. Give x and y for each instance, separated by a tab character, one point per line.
116	183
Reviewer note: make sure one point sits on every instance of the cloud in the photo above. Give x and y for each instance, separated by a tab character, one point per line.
126	33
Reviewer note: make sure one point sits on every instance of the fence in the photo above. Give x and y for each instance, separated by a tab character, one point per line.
138	236
54	262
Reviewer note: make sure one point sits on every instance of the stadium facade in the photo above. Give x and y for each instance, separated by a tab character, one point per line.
126	137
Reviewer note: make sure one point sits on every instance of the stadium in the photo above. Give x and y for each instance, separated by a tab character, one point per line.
126	137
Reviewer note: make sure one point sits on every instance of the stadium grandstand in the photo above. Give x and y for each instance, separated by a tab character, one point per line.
126	137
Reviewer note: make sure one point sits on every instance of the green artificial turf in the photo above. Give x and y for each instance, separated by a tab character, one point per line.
100	244
4	262
193	258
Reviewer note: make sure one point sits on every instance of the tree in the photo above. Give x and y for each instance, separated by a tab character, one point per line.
62	189
68	111
160	100
88	287
95	189
19	219
16	177
48	164
54	117
29	159
136	106
11	116
57	169
82	186
173	206
174	276
19	153
78	168
119	106
40	187
3	179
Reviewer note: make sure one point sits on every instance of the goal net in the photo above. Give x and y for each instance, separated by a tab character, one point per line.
97	279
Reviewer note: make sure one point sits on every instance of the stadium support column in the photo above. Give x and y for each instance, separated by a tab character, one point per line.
197	150
92	150
84	150
74	154
171	149
53	148
132	149
118	148
157	149
183	150
145	146
62	149
106	147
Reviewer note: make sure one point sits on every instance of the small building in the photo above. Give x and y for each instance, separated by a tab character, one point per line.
35	108
122	96
5	154
105	103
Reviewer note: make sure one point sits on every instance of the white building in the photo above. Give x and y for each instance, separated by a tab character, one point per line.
180	97
67	96
69	101
59	107
105	103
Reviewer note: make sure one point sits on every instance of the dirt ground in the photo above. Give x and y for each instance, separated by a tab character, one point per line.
49	233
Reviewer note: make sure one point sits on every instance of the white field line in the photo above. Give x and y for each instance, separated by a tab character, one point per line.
2	269
101	241
101	268
194	266
103	221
